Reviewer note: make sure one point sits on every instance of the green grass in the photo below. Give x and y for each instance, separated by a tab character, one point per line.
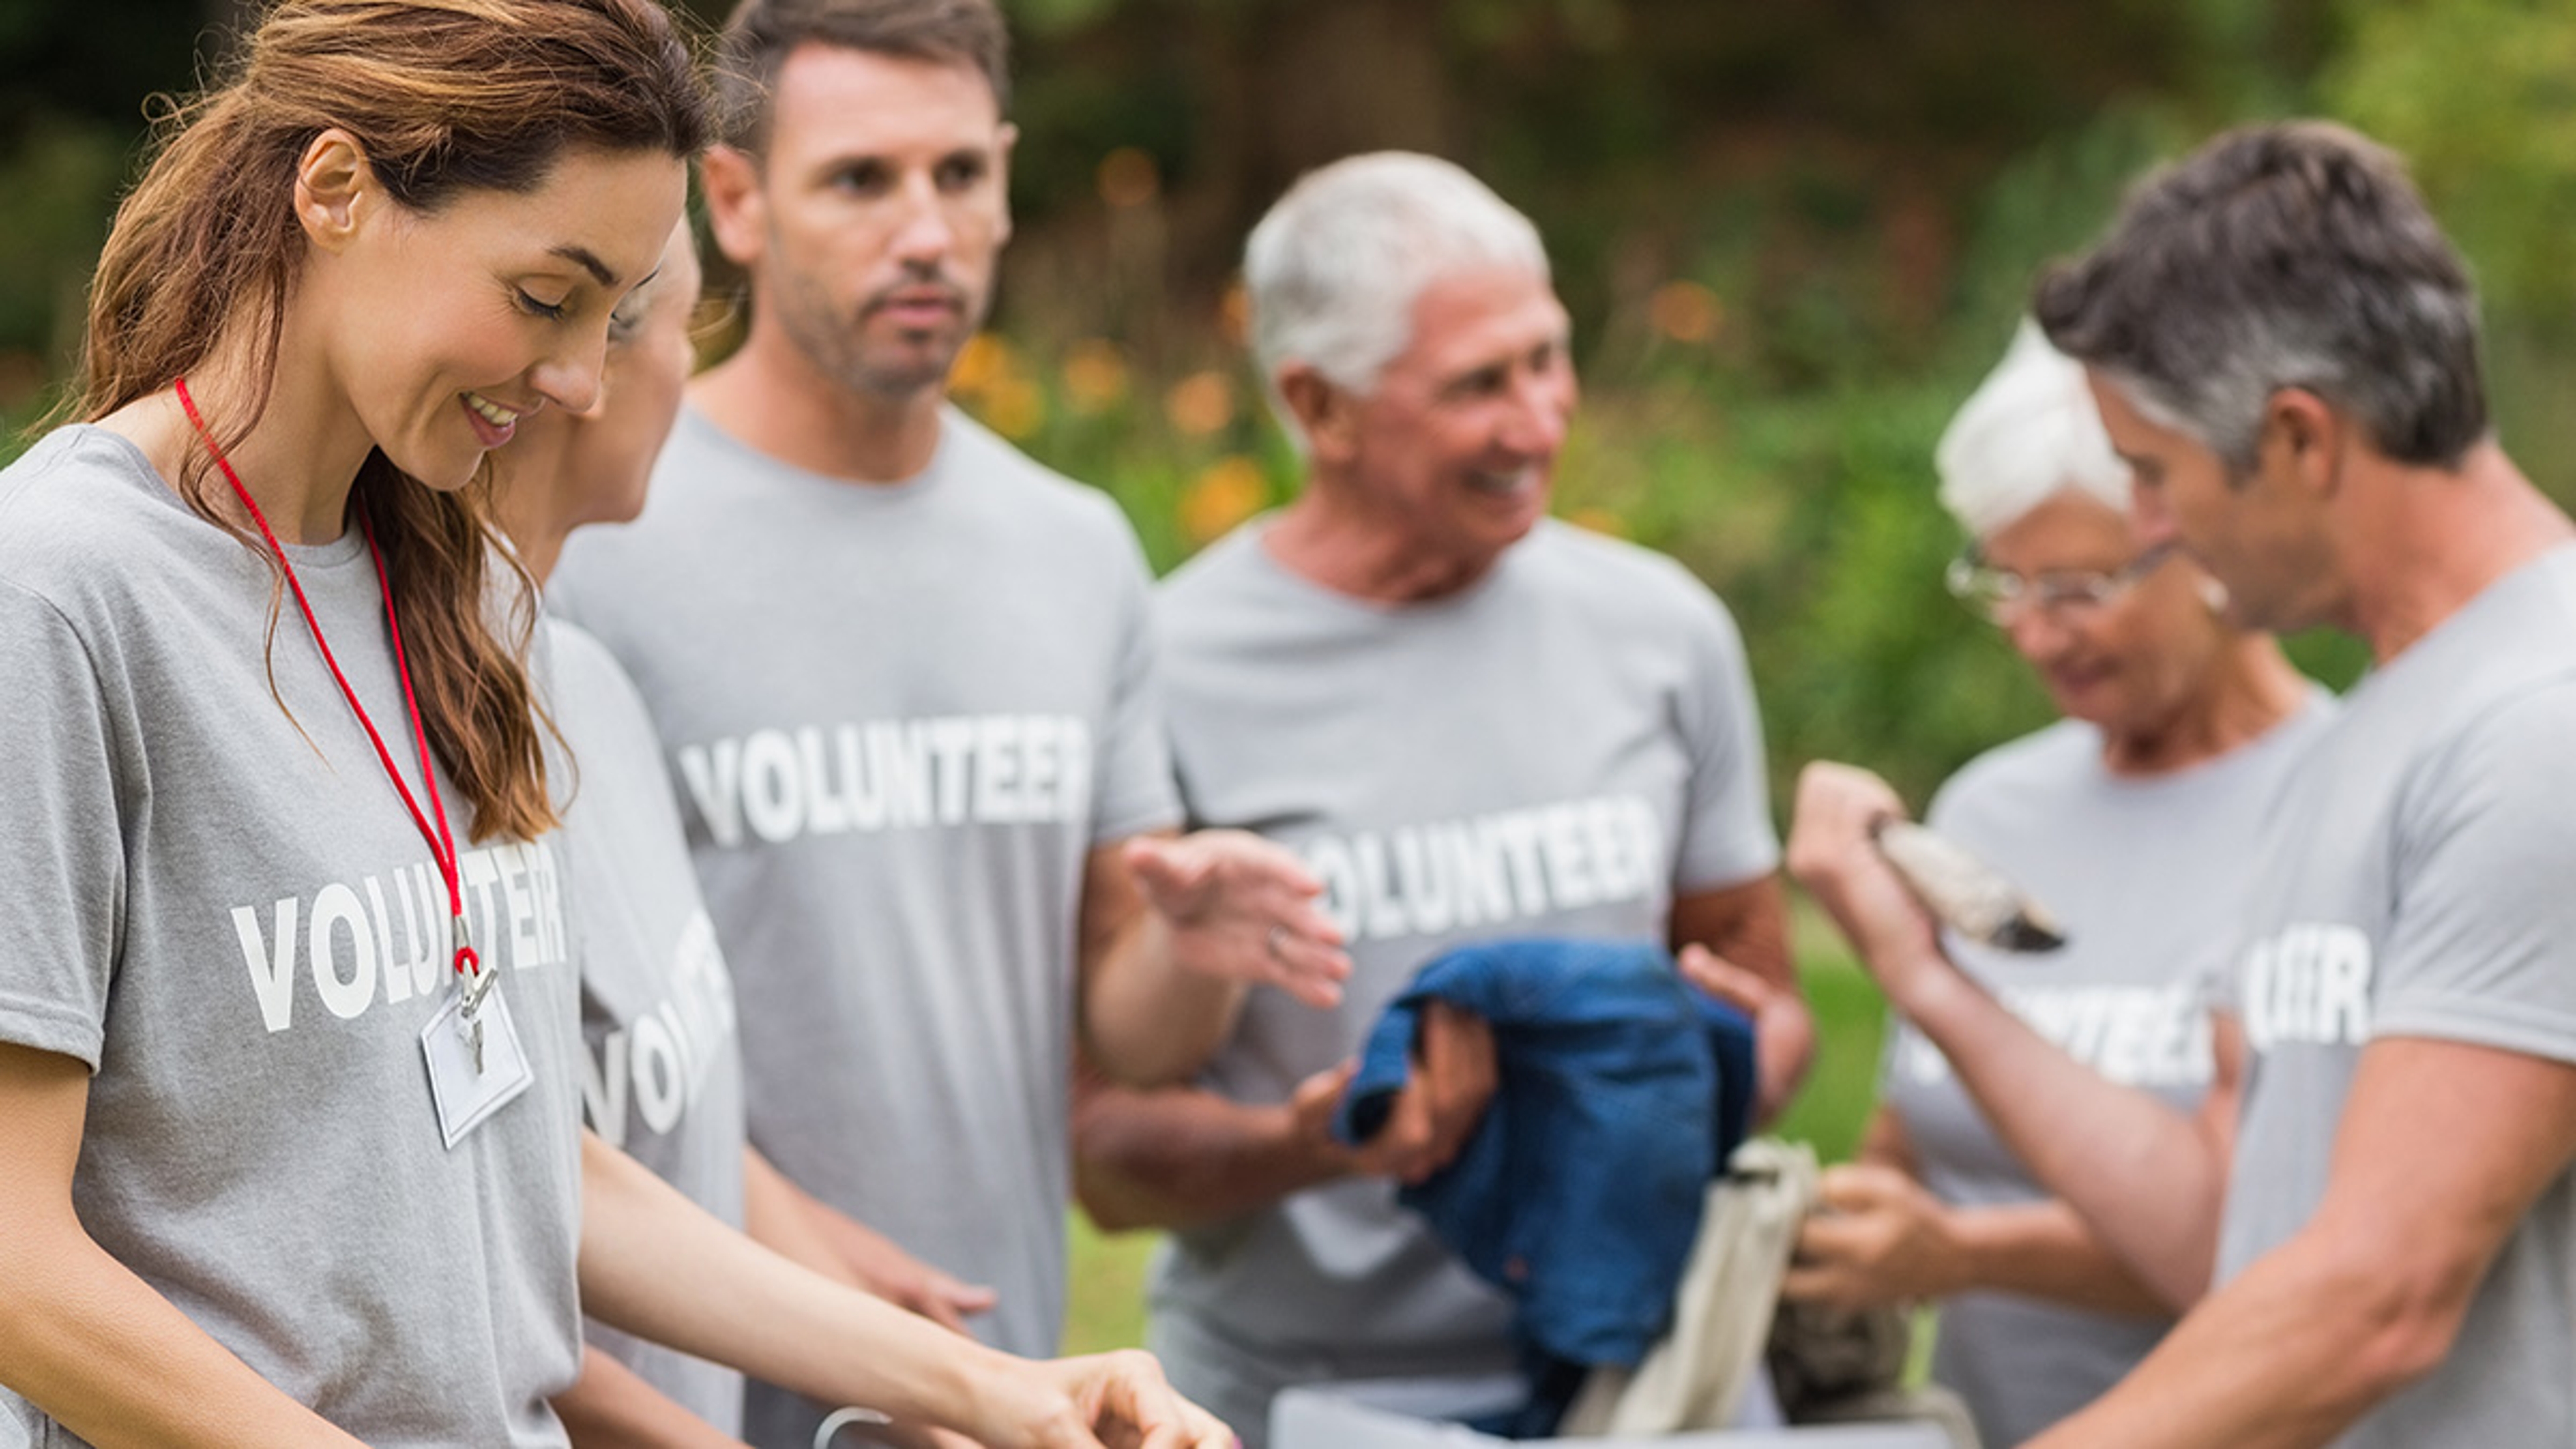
1105	1305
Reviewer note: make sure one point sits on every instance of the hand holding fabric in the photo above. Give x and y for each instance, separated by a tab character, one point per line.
1240	908
1876	1237
1454	1078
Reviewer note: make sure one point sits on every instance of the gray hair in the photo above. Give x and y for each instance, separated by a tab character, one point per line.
2290	255
1332	272
2029	432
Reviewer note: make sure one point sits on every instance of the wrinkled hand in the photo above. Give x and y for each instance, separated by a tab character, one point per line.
878	1266
1831	855
1242	909
1103	1401
1876	1237
1784	1031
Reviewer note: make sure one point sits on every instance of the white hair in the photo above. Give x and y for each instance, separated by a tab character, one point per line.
1332	272
2029	431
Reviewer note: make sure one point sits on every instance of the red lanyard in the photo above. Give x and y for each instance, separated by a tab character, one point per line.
441	847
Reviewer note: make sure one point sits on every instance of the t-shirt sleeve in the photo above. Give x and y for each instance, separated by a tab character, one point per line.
1726	835
61	854
1136	792
2482	946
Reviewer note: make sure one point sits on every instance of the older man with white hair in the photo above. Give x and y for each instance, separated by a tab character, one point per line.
2134	819
1473	723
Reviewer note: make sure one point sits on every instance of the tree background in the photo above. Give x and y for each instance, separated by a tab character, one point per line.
1792	235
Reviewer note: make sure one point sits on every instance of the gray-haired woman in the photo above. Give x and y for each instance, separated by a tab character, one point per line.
2132	819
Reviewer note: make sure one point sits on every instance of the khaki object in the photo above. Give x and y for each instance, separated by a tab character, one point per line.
1695	1376
1828	1367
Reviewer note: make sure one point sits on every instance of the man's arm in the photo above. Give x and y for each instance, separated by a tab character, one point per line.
1733	943
1176	929
805	1230
2147	1178
2442	1149
1182	1156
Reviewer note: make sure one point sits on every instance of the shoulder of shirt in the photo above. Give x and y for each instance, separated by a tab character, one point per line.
2535	714
74	518
1572	567
2052	756
991	457
1616	573
2524	664
1224	565
578	654
592	697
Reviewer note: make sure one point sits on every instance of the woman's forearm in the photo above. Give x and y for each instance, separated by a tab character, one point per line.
656	1265
84	1339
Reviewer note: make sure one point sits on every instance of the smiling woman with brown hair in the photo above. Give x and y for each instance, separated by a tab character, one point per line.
289	1147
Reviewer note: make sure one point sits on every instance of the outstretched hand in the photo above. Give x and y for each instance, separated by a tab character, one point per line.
1242	909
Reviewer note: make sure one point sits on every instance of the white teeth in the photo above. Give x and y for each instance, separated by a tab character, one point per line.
492	412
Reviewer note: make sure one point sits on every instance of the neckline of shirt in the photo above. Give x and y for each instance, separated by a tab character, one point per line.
2312	711
1253	535
875	492
2553	565
348	548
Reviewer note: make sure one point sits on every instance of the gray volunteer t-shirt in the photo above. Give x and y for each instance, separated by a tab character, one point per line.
662	1072
227	913
900	717
1559	750
2149	877
2417	882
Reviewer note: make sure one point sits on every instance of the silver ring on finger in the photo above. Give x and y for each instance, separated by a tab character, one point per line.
1276	943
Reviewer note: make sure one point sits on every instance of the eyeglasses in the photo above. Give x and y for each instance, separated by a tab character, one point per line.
2063	595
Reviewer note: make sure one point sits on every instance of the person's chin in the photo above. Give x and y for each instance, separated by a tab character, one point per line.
2091	698
1515	510
442	469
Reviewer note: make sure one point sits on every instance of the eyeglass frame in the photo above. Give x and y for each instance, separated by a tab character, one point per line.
1993	593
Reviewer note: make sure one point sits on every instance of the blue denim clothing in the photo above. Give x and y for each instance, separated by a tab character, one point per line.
1623	1091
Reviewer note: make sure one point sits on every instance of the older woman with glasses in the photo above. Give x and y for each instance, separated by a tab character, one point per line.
2131	819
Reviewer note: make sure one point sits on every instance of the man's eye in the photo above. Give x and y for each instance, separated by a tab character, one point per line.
865	180
963	172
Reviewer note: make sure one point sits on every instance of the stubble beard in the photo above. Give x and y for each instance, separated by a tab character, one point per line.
835	346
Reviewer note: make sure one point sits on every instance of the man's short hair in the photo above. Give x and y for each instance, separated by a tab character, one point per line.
1333	271
2288	255
762	33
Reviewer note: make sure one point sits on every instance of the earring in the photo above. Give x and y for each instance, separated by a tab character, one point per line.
2213	594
